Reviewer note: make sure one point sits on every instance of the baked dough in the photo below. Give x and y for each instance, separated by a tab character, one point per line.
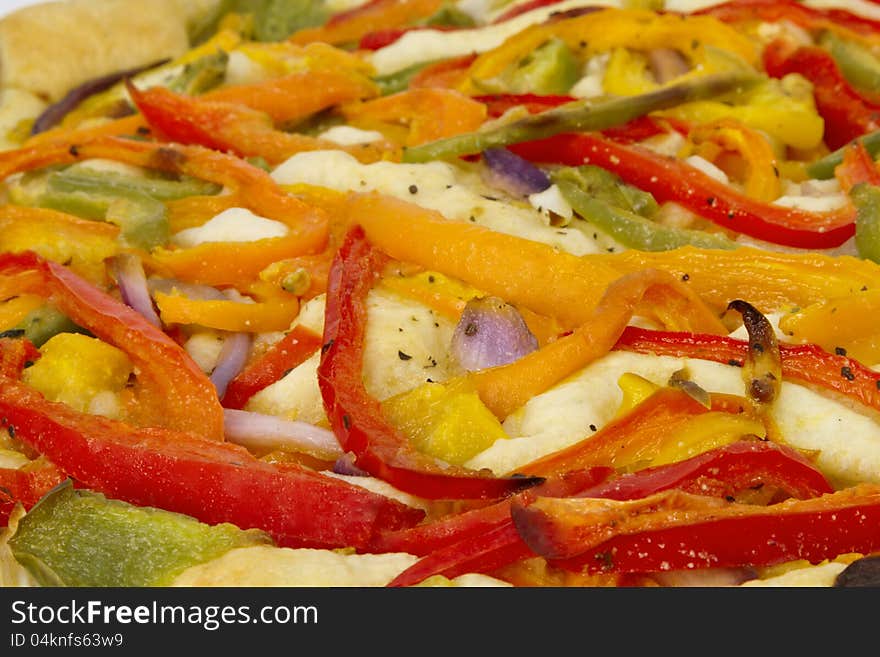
49	48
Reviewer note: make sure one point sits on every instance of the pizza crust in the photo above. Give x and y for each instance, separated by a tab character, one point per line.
49	48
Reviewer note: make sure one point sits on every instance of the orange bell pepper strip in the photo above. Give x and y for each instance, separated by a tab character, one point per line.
296	96
356	418
505	388
271	314
227	126
426	113
128	125
212	481
292	350
235	264
349	26
758	166
192	211
169	390
481	258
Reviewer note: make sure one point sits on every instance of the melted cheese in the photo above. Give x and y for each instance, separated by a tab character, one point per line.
232	225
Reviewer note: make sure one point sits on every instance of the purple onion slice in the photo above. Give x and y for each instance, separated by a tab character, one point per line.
233	356
511	173
491	332
132	281
260	432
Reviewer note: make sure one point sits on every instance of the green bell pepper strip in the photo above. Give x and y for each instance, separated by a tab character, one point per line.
81	538
823	168
581	115
858	64
866	198
629	228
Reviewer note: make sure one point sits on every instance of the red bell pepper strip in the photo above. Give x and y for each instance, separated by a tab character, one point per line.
291	351
847	113
720	472
213	482
809	18
807	363
356	418
698	531
15	355
170	389
26	486
671	179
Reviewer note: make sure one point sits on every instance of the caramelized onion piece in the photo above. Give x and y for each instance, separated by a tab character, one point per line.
491	332
667	64
762	371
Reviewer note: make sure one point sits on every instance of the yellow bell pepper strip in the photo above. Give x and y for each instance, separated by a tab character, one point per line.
698	531
505	388
212	481
674	180
426	114
633	439
580	115
58	236
226	126
169	390
847	113
761	168
350	26
600	31
356	418
452	547
806	363
842	324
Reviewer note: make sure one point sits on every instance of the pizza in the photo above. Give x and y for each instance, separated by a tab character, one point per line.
398	293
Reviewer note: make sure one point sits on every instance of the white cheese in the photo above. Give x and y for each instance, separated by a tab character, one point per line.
261	565
551	199
436	186
562	416
406	343
382	488
241	69
707	167
232	225
348	136
821	575
428	45
814	203
591	84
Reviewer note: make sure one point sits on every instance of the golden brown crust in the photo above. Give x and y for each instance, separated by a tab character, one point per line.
49	48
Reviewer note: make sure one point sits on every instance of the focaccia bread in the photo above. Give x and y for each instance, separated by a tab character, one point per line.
47	49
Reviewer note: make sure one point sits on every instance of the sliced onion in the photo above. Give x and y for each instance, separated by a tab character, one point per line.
511	173
667	64
490	332
708	577
258	432
233	356
53	114
345	465
132	282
